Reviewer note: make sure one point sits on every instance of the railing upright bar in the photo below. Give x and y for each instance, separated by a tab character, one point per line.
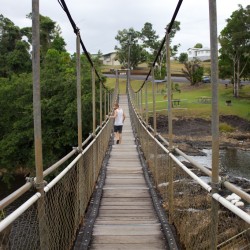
38	123
94	125
101	106
215	121
153	97
79	95
170	128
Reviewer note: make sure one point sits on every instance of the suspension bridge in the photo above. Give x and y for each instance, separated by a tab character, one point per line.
134	195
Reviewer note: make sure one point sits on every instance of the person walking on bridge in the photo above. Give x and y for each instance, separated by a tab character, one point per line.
119	116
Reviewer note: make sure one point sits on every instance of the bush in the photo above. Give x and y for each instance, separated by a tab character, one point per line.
224	127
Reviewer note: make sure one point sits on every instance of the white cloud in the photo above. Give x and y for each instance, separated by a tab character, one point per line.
99	21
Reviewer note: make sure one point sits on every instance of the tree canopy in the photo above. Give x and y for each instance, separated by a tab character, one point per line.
235	47
58	96
144	45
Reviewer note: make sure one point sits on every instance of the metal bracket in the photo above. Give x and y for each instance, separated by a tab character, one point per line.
31	180
40	185
78	150
216	186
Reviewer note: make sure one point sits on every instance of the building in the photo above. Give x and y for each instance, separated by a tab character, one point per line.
203	54
110	59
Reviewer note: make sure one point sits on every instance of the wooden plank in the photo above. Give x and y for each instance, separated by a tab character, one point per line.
128	200
106	221
123	239
124	213
131	219
142	246
124	168
125	193
127	229
126	188
128	207
124	181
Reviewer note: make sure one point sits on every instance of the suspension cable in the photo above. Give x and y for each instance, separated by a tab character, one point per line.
76	31
169	28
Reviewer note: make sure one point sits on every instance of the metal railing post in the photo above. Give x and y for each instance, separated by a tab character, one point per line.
101	104
142	114
170	128
43	233
79	95
153	96
215	120
79	127
105	103
94	123
146	101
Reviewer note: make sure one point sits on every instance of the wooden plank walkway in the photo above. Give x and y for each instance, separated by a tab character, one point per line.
126	218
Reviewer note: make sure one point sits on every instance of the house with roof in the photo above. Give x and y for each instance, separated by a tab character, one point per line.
110	59
203	54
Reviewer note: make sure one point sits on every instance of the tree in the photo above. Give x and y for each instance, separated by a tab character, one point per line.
183	57
12	48
144	46
198	45
235	47
137	52
193	71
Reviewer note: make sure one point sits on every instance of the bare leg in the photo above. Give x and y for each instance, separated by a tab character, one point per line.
120	138
116	135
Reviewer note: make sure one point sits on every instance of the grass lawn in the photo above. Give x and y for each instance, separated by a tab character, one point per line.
189	99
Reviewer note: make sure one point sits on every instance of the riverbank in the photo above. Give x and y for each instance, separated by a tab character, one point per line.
191	135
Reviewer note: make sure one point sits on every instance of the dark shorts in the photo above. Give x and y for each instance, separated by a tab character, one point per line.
118	129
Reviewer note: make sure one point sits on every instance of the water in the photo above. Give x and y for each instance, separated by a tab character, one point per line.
234	162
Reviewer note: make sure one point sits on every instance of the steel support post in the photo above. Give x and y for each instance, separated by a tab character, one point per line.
146	110
108	104
170	129
142	114
43	233
128	72
101	104
146	101
79	95
215	120
79	126
153	96
94	124
105	103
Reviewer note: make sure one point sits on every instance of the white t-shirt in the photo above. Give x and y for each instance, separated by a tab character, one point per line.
119	117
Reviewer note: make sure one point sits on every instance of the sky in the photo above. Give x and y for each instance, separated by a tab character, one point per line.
100	20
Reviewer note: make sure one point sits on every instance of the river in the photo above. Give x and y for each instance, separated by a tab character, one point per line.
234	162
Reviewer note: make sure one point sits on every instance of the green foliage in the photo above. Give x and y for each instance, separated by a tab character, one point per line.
224	127
198	45
144	45
183	57
193	71
137	52
58	98
235	47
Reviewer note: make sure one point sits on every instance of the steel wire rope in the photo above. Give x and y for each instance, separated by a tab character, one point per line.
169	28
76	30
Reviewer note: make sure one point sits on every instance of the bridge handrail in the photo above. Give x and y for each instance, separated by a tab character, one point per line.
20	210
230	186
244	195
243	215
30	181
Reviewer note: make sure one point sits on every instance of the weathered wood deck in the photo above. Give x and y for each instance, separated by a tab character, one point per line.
126	218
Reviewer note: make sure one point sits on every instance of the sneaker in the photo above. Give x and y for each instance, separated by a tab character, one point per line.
117	142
